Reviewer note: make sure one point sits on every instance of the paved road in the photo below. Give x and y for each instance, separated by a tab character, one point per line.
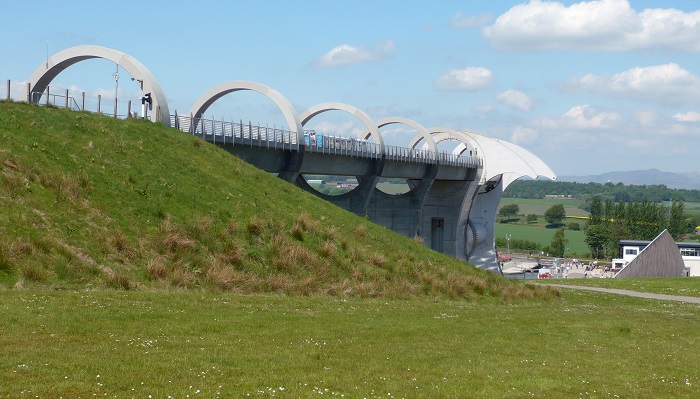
649	295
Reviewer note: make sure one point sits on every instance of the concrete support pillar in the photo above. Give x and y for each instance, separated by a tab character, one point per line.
402	213
292	165
445	213
482	220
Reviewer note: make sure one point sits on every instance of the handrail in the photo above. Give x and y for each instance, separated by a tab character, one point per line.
239	133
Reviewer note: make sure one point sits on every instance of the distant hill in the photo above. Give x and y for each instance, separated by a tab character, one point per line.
688	181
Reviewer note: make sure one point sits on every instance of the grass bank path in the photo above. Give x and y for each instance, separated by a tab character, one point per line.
648	295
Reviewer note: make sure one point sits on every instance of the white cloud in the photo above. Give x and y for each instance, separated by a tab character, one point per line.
610	25
516	100
588	117
484	111
687	117
468	79
346	54
462	21
524	135
668	85
646	118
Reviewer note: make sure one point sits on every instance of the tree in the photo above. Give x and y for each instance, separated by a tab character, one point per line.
677	224
559	242
508	211
531	218
596	237
596	210
555	214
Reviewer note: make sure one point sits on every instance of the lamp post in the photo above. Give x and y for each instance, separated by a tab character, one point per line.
139	81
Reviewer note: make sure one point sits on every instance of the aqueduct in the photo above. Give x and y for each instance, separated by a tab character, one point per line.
453	196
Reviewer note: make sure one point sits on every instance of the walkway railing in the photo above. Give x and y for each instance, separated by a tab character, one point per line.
238	133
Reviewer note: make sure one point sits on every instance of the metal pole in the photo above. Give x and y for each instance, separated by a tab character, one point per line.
47	95
83	103
8	89
99	103
66	98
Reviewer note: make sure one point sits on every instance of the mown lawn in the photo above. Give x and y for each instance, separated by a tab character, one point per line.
540	206
683	286
542	235
80	344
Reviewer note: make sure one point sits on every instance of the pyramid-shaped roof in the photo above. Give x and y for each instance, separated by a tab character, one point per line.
661	258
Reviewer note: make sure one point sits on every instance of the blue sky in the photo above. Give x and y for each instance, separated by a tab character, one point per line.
589	87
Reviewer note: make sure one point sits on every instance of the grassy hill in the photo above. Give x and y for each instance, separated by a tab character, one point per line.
87	200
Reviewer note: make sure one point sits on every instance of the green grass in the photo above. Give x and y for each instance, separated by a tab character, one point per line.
127	248
541	235
88	200
540	206
135	344
683	286
691	209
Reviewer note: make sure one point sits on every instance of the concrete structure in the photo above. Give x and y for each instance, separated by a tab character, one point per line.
453	196
664	254
41	78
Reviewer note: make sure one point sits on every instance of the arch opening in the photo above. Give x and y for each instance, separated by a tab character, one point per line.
59	62
294	133
339	127
395	131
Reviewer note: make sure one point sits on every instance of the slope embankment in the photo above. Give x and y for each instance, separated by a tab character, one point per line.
87	200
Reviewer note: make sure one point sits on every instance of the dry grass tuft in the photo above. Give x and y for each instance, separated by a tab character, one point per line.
119	242
298	231
356	255
378	260
306	222
234	253
202	225
332	234
301	255
13	183
121	280
221	277
418	239
255	227
328	250
156	270
360	231
182	277
174	238
33	272
231	228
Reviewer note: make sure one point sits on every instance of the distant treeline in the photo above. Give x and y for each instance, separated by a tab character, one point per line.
537	189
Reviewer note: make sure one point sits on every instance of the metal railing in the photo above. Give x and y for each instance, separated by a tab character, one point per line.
238	133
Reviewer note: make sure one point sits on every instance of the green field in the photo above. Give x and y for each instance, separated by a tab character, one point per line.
539	206
87	343
542	236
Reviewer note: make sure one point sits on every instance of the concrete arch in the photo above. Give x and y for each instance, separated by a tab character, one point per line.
366	120
467	144
60	61
290	115
422	132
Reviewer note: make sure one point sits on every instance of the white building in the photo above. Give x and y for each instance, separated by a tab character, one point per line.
690	252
